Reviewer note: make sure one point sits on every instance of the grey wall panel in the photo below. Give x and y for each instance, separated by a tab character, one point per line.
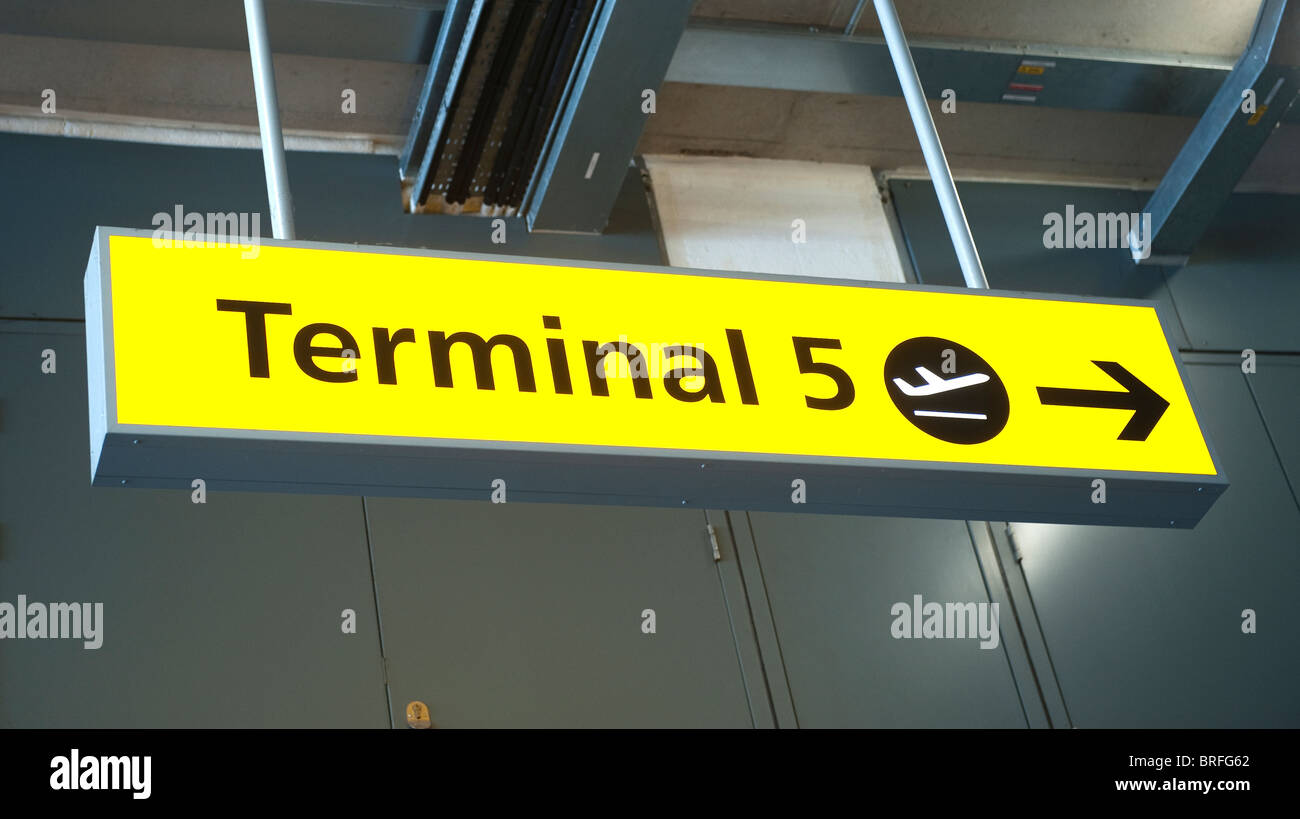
1276	386
223	614
68	186
1145	625
529	615
1240	288
1007	223
831	582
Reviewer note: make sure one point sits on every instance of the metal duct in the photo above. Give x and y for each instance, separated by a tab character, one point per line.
496	80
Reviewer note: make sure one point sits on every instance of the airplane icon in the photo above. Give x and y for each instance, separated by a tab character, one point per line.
935	385
962	402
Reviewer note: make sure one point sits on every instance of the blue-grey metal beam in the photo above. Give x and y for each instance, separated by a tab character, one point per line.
454	38
1223	144
422	5
629	46
398	31
753	55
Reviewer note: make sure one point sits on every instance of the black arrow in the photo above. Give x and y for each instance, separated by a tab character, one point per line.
1147	406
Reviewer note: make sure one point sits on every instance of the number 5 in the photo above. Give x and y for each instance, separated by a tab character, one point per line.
844	393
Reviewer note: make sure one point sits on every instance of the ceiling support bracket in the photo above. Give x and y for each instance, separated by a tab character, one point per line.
1236	124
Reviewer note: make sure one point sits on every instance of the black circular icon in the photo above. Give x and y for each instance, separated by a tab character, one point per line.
946	390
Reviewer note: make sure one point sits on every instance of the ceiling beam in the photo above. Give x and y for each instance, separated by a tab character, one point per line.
595	135
418	5
1224	143
455	36
791	58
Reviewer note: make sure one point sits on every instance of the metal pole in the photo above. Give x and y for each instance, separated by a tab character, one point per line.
853	21
268	121
940	174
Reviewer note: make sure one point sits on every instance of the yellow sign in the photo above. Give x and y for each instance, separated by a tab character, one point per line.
313	340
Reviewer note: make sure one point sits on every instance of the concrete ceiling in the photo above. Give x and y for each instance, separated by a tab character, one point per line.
178	70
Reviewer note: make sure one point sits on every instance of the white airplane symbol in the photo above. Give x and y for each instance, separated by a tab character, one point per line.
934	384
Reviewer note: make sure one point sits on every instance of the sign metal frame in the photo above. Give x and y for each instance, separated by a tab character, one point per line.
358	464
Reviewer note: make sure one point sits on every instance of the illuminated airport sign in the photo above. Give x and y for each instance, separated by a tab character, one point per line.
337	368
